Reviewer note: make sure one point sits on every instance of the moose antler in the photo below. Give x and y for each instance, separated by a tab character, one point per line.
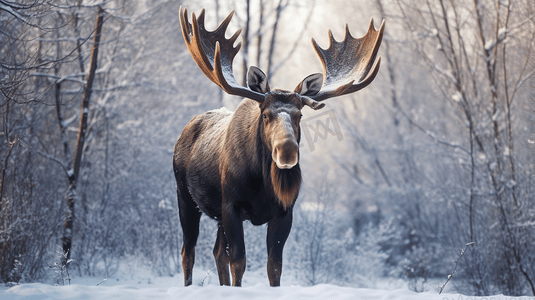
347	64
214	54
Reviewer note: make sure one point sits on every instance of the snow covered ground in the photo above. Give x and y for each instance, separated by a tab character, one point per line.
255	287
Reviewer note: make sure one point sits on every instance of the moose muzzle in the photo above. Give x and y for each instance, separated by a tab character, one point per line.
285	153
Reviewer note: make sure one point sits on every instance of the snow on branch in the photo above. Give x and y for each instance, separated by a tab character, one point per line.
12	9
62	164
66	123
60	79
441	288
108	89
431	134
490	44
446	73
24	12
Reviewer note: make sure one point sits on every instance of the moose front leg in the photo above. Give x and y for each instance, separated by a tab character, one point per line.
221	256
233	226
278	231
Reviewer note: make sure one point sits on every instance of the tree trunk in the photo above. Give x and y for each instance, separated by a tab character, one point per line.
259	38
73	174
273	39
245	36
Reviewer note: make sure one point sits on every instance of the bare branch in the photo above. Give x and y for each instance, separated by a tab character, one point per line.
441	288
432	135
297	40
60	79
61	163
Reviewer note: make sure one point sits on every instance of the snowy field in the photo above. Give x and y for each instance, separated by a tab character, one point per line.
255	287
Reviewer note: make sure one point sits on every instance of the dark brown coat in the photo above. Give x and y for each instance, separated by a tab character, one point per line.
224	167
245	165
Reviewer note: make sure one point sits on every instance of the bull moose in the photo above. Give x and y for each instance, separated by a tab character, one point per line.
244	165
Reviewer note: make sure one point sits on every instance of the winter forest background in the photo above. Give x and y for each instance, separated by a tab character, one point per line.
438	152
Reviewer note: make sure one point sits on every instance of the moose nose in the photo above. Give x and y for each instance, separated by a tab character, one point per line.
285	153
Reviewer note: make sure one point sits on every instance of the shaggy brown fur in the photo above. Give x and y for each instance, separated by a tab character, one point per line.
245	165
242	166
224	167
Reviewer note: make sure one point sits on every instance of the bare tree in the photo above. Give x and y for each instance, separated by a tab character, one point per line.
74	173
476	65
44	72
270	15
21	212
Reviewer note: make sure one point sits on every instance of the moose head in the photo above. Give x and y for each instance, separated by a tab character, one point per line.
348	66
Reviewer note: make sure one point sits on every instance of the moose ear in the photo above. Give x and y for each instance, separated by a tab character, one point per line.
311	85
257	80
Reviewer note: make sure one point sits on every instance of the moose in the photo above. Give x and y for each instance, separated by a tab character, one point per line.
244	165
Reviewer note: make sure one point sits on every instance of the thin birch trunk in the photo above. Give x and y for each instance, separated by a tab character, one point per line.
259	38
273	39
245	37
73	175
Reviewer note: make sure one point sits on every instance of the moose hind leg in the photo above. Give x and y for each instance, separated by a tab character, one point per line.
221	256
190	217
278	231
